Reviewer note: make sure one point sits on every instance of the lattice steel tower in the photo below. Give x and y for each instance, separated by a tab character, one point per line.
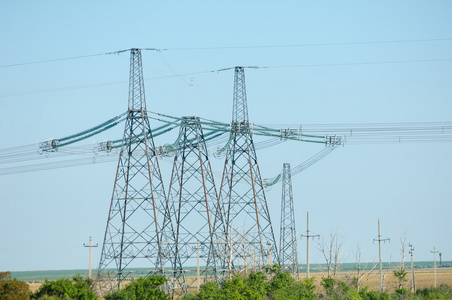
133	236
288	237
194	204
248	226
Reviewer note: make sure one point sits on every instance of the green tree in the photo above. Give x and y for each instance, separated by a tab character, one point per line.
336	289
257	286
279	279
208	291
296	290
372	295
12	289
141	289
401	276
78	288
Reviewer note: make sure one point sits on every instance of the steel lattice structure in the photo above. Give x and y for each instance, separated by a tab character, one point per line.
288	237
133	236
194	205
250	237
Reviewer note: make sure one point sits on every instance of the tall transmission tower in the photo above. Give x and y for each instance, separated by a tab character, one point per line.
248	227
133	236
194	205
288	237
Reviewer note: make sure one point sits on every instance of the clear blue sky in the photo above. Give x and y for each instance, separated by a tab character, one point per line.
47	216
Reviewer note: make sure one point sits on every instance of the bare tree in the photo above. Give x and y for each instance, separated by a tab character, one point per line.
360	274
400	273
332	252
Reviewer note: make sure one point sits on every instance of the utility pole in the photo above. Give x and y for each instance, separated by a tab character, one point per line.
90	246
434	263
307	236
379	239
413	285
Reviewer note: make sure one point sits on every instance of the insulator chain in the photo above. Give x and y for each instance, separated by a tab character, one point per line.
49	146
105	146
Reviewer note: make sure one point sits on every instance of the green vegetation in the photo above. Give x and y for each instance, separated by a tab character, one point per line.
12	289
275	285
78	288
271	284
141	289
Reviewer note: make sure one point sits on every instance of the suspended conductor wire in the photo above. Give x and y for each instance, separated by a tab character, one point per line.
268	182
310	45
172	70
62	59
55	165
235	47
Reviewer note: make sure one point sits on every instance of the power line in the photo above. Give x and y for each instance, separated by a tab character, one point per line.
308	45
236	47
61	59
357	63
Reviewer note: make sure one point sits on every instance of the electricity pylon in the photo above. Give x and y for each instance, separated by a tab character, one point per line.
288	237
133	236
194	206
251	242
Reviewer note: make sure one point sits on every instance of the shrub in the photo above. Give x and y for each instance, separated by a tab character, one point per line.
78	288
12	289
296	290
141	289
339	290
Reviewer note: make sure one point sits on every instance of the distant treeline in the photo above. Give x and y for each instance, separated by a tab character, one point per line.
140	272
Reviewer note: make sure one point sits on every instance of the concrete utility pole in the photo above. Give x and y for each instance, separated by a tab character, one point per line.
379	239
307	236
434	263
90	246
413	284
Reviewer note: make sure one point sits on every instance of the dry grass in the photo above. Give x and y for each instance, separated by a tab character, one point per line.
423	279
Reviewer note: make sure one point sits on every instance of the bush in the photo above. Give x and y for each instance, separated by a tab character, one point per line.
141	289
372	295
12	289
443	292
339	290
254	287
207	291
280	279
296	290
401	294
78	289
